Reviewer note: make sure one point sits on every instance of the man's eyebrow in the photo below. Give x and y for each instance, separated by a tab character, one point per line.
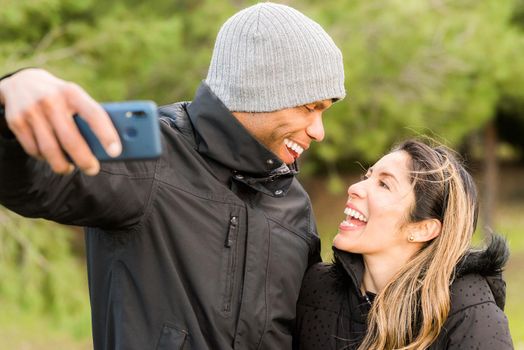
322	105
317	105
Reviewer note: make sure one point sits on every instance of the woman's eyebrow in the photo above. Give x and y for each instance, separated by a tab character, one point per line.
384	174
388	174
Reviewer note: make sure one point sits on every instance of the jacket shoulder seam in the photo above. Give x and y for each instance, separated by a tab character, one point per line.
209	198
469	306
307	238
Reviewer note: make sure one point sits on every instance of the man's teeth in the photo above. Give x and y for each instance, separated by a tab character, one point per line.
355	214
294	146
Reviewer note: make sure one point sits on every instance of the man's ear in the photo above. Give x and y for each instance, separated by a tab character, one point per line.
425	230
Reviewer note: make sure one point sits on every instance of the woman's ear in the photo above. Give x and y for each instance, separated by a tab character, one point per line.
425	230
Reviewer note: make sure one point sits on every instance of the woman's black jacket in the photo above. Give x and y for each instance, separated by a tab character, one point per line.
332	313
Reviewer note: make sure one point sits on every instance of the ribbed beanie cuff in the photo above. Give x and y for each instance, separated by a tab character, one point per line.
268	57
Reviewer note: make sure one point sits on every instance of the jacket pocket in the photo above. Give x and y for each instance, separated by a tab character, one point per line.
230	263
172	338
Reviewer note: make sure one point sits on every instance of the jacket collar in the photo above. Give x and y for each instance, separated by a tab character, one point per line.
350	264
221	137
348	271
488	262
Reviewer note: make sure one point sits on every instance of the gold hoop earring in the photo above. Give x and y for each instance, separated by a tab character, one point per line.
411	238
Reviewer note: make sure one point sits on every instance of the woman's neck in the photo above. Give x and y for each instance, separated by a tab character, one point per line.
379	270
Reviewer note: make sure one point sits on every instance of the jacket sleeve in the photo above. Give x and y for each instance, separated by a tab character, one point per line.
482	326
114	199
314	244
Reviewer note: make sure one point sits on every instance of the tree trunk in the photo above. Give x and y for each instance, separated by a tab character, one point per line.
490	175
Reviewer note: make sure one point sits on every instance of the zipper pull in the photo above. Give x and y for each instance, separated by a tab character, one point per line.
233	223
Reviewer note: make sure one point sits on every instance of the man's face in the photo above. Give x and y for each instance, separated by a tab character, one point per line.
288	132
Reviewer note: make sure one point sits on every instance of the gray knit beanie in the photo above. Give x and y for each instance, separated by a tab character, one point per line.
268	57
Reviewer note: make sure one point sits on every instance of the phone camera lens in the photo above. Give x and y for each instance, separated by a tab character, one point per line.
130	133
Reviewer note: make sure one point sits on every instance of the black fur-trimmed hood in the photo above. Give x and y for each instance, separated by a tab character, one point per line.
486	262
489	263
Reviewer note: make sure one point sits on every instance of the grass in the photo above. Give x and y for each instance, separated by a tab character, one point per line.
511	224
28	331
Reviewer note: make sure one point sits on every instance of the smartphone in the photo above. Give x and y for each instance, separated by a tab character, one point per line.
137	125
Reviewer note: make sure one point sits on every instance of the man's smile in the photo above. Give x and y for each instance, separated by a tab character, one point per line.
294	148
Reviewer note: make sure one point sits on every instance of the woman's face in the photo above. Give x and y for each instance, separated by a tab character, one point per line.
377	208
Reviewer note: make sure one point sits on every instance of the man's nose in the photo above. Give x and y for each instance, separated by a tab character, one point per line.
316	129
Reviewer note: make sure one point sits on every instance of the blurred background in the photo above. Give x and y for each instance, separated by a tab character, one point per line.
449	69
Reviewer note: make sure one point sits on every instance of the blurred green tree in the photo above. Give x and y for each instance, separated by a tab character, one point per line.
418	67
434	66
116	50
510	109
39	275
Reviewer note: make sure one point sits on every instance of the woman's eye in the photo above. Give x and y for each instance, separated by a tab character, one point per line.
383	184
309	108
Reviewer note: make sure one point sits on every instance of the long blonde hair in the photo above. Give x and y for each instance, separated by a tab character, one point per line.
410	311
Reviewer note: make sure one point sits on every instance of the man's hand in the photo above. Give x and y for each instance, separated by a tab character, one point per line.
39	111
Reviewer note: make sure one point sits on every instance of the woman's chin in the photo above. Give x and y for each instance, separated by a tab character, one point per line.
341	243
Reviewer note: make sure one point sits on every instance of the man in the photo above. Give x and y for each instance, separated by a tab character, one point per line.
206	247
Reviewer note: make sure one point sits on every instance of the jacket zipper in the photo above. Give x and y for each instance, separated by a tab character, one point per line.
230	244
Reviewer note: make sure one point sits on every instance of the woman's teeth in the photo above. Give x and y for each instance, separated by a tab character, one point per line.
355	214
294	146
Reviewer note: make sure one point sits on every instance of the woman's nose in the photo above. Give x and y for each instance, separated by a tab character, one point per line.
357	190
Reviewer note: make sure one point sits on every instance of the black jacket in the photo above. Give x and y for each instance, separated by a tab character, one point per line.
332	313
204	248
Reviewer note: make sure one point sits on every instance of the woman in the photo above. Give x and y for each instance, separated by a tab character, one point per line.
404	276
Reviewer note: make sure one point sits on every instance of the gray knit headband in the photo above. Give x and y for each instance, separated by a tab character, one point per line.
268	57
